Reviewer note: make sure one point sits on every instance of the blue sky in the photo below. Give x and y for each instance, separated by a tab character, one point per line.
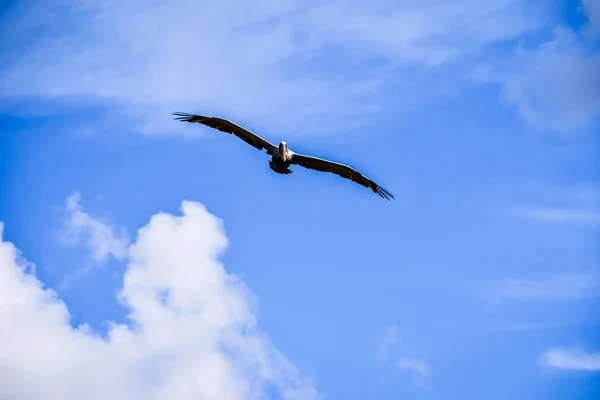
146	258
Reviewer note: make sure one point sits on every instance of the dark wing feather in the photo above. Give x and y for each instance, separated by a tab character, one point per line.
224	125
342	170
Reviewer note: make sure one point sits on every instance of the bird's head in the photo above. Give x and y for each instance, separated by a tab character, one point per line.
283	150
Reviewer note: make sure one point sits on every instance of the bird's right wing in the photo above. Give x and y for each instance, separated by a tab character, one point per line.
342	170
224	125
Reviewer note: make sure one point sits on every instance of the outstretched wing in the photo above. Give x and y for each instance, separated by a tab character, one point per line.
224	125
342	170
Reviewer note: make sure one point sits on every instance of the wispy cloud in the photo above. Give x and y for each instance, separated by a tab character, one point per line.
99	237
388	341
392	347
323	66
592	9
571	359
559	88
416	367
555	85
570	205
193	330
550	214
513	326
564	286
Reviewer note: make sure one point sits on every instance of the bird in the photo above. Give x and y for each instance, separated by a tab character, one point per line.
281	156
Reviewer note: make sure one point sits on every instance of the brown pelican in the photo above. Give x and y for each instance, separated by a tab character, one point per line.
281	156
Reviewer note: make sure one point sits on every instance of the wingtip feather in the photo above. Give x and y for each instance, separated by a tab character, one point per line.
384	193
183	116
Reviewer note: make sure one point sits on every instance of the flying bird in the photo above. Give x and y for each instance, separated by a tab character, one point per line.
281	156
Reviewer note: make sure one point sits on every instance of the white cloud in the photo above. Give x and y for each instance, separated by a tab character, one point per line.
431	32
564	286
413	365
416	368
550	214
555	86
388	341
592	9
573	359
100	238
282	61
572	212
558	87
193	332
574	205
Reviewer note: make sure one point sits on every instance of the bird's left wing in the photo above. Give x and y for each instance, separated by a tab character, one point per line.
342	170
224	125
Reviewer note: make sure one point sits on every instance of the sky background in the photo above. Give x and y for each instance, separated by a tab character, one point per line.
143	258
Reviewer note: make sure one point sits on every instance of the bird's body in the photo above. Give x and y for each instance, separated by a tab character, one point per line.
280	166
282	157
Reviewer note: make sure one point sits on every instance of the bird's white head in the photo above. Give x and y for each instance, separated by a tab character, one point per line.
283	150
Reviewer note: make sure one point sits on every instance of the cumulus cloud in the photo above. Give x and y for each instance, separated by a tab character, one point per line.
191	334
99	237
571	359
285	61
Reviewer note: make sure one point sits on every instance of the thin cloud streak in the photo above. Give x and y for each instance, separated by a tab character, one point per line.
571	359
560	215
558	287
